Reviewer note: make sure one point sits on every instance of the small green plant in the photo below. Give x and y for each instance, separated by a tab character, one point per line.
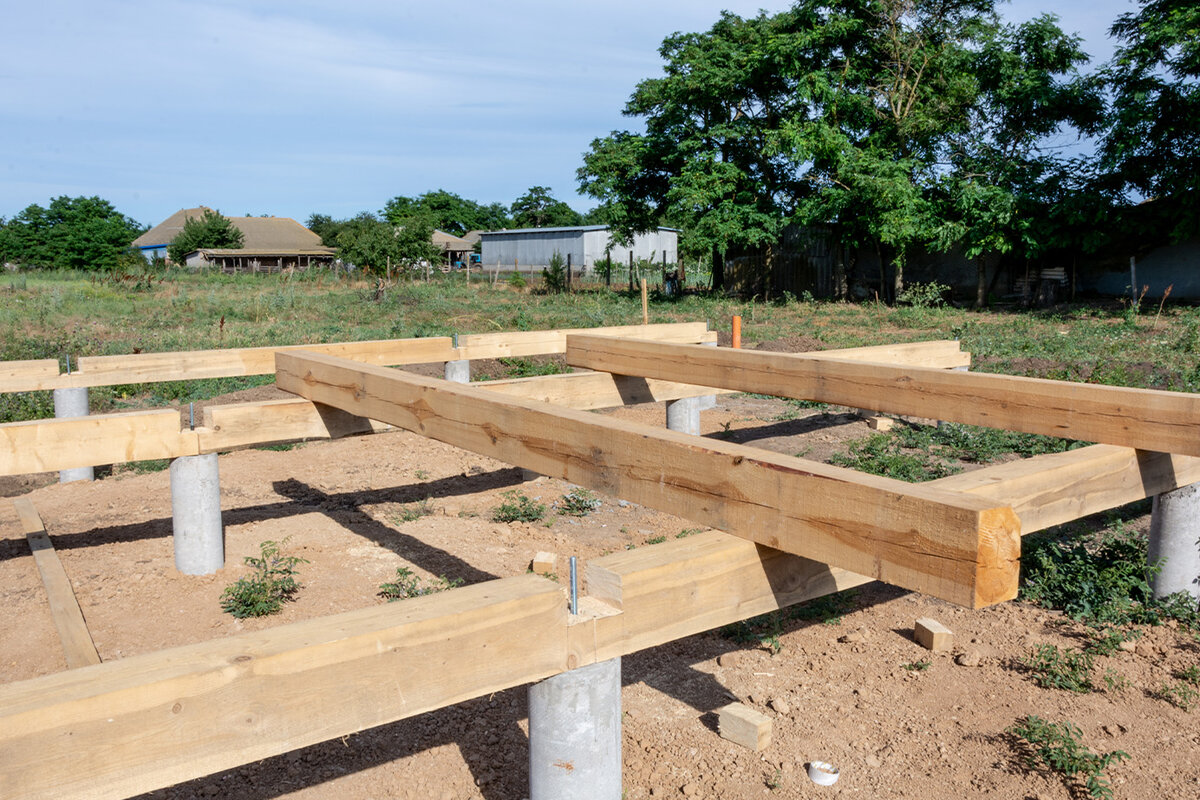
518	508
407	584
1190	675
1061	669
775	781
923	295
1108	640
1179	694
421	475
656	540
1059	747
578	503
1114	681
515	280
917	666
264	592
686	532
554	276
414	511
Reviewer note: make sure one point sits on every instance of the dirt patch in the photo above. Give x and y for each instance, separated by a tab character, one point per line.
846	687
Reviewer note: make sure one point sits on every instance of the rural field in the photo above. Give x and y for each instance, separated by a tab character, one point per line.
1082	666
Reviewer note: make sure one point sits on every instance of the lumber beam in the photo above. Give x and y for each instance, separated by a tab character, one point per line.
228	427
594	390
1055	488
1144	418
78	647
24	376
126	727
55	444
686	586
946	544
937	354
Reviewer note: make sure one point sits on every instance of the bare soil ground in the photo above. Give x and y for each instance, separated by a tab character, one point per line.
846	690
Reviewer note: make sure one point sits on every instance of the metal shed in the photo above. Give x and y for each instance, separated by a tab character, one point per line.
530	249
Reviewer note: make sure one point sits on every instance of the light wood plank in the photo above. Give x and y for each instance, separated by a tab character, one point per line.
686	586
594	390
55	444
17	371
937	354
547	342
228	427
1056	488
1144	418
78	647
130	726
941	543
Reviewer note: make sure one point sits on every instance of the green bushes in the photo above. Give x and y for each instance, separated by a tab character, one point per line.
272	584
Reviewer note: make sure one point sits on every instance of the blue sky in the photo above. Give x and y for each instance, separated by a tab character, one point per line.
290	108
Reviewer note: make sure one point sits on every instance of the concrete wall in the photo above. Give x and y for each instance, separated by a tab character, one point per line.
1174	265
532	248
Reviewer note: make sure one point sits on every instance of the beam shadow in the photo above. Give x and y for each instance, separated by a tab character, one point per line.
487	730
306	500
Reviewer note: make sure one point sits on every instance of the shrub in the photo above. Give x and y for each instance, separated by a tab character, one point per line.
518	508
264	592
1058	746
554	276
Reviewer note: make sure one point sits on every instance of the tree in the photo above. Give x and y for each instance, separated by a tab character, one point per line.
326	227
448	212
72	232
537	208
1152	146
372	244
208	231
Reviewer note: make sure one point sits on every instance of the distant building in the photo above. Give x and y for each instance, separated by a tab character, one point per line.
456	250
269	244
531	248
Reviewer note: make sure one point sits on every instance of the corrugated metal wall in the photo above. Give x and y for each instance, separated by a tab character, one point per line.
531	249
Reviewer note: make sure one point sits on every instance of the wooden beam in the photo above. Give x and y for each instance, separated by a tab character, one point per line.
593	390
950	545
78	647
228	427
937	354
26	376
1056	488
54	444
1144	418
142	723
686	586
532	343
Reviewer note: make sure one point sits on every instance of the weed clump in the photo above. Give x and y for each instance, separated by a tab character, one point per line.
518	508
578	503
264	592
407	584
1058	746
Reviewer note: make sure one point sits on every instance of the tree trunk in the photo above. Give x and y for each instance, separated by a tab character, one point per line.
839	273
898	275
981	281
718	269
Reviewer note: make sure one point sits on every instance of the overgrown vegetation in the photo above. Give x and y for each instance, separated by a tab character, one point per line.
1059	748
518	507
578	502
272	584
1101	582
408	584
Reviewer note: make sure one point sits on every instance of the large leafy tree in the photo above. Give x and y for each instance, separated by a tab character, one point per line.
210	230
85	233
374	245
448	212
1007	189
1152	145
538	208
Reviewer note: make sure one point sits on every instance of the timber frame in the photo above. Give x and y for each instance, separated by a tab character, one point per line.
794	530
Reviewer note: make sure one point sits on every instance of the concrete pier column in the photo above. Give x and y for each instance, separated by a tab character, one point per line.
72	402
196	514
1175	539
575	734
458	371
683	415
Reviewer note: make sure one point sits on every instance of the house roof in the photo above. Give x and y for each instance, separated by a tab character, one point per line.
446	241
259	251
263	235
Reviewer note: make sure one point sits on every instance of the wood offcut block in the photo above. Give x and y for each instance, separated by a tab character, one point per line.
933	635
881	423
743	725
545	563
